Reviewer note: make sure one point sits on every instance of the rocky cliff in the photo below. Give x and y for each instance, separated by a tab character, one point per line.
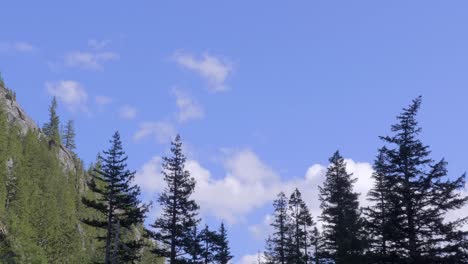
16	116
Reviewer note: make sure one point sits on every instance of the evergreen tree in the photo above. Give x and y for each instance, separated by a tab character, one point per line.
118	201
180	212
277	244
194	247
223	252
51	129
380	217
315	242
69	136
41	214
340	214
301	223
307	225
418	194
208	241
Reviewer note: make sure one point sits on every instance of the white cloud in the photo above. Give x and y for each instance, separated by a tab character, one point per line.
103	100
71	93
459	213
247	178
16	47
127	112
98	44
149	177
215	70
189	109
162	132
89	60
23	47
251	259
262	230
254	185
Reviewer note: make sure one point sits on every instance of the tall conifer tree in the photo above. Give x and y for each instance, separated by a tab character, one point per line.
208	241
68	137
51	128
382	215
315	242
222	250
118	202
194	247
180	212
308	226
301	224
340	214
419	194
277	244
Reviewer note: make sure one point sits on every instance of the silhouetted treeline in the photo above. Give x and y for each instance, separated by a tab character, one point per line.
406	222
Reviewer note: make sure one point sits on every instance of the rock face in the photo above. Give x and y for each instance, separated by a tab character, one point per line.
17	117
15	114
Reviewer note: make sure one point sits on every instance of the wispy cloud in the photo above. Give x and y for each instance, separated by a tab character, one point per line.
214	70
71	93
103	100
127	112
89	60
162	132
94	58
188	108
16	47
98	44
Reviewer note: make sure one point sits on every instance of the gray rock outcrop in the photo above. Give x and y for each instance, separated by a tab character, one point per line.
16	116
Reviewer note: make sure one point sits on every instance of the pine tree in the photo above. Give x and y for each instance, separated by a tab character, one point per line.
194	247
340	214
223	252
118	201
277	244
380	217
51	129
208	241
418	194
179	215
301	224
307	225
315	242
69	136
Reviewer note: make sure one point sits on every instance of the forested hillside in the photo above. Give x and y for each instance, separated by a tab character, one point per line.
42	182
53	210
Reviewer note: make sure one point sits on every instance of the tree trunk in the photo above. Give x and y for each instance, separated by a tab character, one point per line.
173	223
109	232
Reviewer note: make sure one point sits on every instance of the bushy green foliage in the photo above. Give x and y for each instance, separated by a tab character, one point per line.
38	202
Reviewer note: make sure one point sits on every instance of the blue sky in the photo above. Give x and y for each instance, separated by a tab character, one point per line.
262	92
